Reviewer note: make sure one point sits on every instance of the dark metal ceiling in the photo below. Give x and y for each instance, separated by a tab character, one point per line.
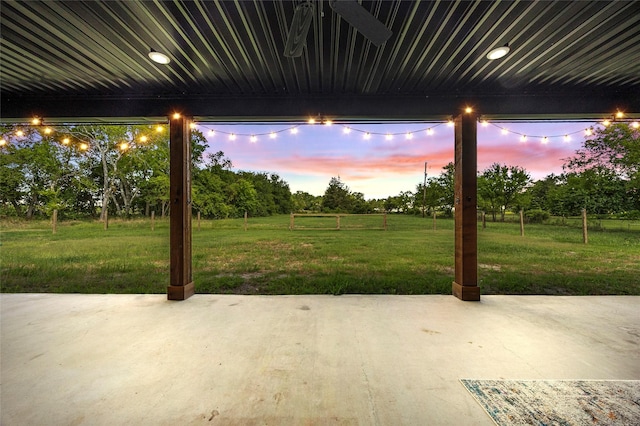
89	58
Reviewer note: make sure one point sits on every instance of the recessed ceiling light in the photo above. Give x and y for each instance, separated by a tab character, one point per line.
158	57
498	52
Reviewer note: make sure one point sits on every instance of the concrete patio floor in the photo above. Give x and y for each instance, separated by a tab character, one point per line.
295	360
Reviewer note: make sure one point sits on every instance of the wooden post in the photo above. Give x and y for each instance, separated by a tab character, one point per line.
198	221
465	286
585	236
337	221
245	220
153	220
484	220
54	221
181	284
291	222
384	221
434	219
521	223
106	219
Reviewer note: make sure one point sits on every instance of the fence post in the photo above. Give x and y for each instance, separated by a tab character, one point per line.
153	220
291	222
55	221
198	221
434	219
585	236
245	220
521	223
337	221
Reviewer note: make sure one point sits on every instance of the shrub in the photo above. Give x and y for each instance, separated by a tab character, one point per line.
537	215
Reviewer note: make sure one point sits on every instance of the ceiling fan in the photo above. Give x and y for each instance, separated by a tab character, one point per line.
350	10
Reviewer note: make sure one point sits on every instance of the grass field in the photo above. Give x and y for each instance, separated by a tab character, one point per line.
268	258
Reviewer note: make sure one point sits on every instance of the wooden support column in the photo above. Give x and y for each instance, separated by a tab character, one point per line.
181	285
465	286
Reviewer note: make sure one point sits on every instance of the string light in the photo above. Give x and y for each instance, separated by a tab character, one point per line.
294	131
409	135
346	130
523	138
3	142
567	138
588	132
143	138
159	129
430	131
253	139
389	136
212	133
619	114
484	123
328	122
36	121
468	110
19	133
505	131
124	146
606	123
312	121
450	123
66	141
273	135
545	140
635	125
84	146
367	135
48	130
232	137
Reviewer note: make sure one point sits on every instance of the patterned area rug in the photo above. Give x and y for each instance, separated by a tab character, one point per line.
558	402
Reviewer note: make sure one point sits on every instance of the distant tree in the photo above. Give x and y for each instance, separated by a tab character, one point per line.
446	181
499	187
303	201
337	197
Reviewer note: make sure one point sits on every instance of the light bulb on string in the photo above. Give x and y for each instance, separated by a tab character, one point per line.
409	135
84	146
504	131
294	131
328	122
253	139
36	121
588	132
523	138
66	141
567	138
619	114
19	133
212	133
143	138
606	123
47	131
312	121
430	131
192	126
389	136
124	146
545	140
232	137
450	123
273	135
635	124
367	136
3	142
176	115
484	123
159	129
346	130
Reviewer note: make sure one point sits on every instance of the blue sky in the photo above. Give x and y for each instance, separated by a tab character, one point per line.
383	166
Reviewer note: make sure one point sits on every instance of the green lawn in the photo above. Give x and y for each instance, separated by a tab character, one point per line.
409	258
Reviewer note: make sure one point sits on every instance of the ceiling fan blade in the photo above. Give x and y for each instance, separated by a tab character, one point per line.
363	21
297	37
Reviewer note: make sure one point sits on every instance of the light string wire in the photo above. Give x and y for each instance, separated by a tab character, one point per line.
65	138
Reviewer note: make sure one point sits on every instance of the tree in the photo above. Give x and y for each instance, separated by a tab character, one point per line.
615	148
499	187
446	180
336	197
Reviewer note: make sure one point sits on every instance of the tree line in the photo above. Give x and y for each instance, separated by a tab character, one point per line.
123	170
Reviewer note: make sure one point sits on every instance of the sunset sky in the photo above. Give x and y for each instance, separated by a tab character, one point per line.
380	167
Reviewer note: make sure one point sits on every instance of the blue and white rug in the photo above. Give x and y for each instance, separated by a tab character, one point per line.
558	402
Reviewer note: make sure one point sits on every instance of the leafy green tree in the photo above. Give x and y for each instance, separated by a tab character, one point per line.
303	201
337	197
500	186
244	196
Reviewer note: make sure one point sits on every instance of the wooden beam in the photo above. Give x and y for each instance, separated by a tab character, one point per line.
181	282
465	286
